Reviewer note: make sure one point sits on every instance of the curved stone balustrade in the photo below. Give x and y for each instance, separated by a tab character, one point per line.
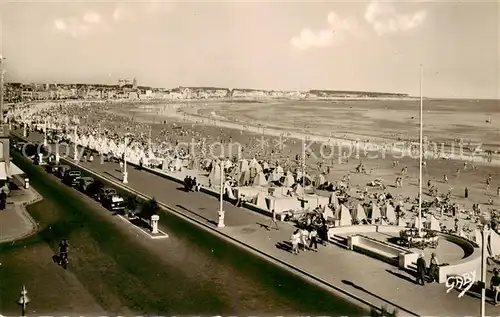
469	263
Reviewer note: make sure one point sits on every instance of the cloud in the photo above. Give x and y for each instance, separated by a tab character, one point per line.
60	25
91	18
334	33
385	19
133	11
117	14
77	26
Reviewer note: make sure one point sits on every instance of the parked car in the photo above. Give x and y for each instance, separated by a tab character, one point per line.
85	183
61	171
20	146
105	192
114	203
94	189
72	177
52	167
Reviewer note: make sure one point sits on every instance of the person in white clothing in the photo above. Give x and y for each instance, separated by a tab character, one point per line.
295	239
304	235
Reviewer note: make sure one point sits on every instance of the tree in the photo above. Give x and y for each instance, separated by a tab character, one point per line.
149	208
383	312
131	204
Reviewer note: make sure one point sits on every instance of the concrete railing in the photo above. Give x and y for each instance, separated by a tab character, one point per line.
470	263
386	252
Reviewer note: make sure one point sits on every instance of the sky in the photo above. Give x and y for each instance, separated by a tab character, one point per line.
339	45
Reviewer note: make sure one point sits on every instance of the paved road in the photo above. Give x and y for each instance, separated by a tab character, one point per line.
373	280
15	223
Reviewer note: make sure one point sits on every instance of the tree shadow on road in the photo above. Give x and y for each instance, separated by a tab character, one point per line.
192	212
108	173
349	283
401	276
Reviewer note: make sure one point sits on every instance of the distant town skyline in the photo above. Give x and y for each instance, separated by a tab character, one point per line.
369	46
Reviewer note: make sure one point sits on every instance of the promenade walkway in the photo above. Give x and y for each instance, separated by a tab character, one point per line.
15	222
370	279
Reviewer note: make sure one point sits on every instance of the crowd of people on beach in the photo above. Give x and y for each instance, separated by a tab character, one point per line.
107	123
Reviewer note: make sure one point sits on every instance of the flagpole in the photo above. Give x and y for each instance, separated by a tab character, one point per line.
420	153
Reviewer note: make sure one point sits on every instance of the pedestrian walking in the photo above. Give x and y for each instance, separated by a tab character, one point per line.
3	199
313	236
466	194
295	239
272	221
421	268
304	235
495	286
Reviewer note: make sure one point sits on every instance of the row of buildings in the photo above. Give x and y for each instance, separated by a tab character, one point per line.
28	92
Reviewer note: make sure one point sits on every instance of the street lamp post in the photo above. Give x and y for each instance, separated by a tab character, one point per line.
125	174
420	153
45	134
23	301
485	221
220	223
75	154
1	89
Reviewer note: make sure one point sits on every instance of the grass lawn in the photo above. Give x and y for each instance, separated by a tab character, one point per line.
192	272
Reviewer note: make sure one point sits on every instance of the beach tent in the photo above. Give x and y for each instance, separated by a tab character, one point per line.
401	223
434	223
229	192
248	192
279	171
314	201
214	175
235	172
334	200
389	213
345	216
178	165
254	164
260	200
274	177
244	165
375	214
289	180
299	191
281	204
478	238
494	243
244	178
265	166
417	224
271	203
360	213
260	179
164	165
328	213
319	180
